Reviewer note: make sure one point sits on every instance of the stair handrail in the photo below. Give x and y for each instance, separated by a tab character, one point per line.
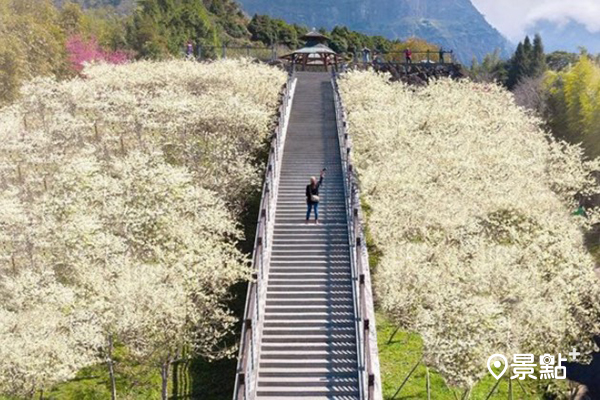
248	354
359	259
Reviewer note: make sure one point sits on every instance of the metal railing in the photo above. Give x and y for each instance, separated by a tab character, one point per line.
399	57
370	382
245	379
262	53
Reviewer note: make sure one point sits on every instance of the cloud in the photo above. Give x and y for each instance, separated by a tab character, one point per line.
513	17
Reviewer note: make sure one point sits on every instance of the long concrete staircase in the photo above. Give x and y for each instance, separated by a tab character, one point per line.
308	348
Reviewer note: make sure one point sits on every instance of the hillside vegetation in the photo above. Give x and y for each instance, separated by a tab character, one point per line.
31	44
571	103
119	215
471	207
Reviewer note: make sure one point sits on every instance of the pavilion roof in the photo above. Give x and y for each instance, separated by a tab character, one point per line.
314	35
316	49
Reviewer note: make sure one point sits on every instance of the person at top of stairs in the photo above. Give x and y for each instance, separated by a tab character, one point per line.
312	197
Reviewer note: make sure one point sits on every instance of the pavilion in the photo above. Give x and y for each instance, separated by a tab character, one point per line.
316	53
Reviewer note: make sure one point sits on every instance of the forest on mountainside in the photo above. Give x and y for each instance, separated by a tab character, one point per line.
42	38
561	87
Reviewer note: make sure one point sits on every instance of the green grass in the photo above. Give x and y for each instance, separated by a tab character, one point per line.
400	356
196	379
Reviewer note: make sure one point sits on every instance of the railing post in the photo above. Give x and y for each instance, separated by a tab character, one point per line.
264	217
259	255
270	178
273	155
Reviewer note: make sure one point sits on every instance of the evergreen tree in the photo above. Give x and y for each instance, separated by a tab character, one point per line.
528	61
538	58
517	66
528	52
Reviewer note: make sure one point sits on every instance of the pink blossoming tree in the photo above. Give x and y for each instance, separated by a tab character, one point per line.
83	51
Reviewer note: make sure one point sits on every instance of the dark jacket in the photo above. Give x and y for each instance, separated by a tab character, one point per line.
313	191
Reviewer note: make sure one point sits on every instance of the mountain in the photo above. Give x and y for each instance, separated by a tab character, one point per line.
567	37
454	24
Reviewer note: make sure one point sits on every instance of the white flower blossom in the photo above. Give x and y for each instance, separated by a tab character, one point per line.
471	205
119	205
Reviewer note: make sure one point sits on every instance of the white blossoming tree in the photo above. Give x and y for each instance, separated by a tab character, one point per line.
121	193
472	209
45	334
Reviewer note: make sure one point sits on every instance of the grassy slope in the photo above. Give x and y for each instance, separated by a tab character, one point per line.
400	356
194	380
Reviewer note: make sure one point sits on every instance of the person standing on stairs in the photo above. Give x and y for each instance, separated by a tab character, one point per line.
312	196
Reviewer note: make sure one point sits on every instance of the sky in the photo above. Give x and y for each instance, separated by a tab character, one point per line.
513	17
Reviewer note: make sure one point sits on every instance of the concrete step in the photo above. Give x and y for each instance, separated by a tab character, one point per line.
310	287
322	338
337	389
309	364
308	276
332	346
313	293
281	396
299	216
314	309
307	236
310	316
300	210
310	302
307	232
312	228
307	331
309	253
316	256
310	266
306	324
310	241
316	355
311	269
304	394
306	380
283	280
307	373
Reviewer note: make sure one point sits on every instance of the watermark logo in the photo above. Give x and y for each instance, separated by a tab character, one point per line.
524	366
498	361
